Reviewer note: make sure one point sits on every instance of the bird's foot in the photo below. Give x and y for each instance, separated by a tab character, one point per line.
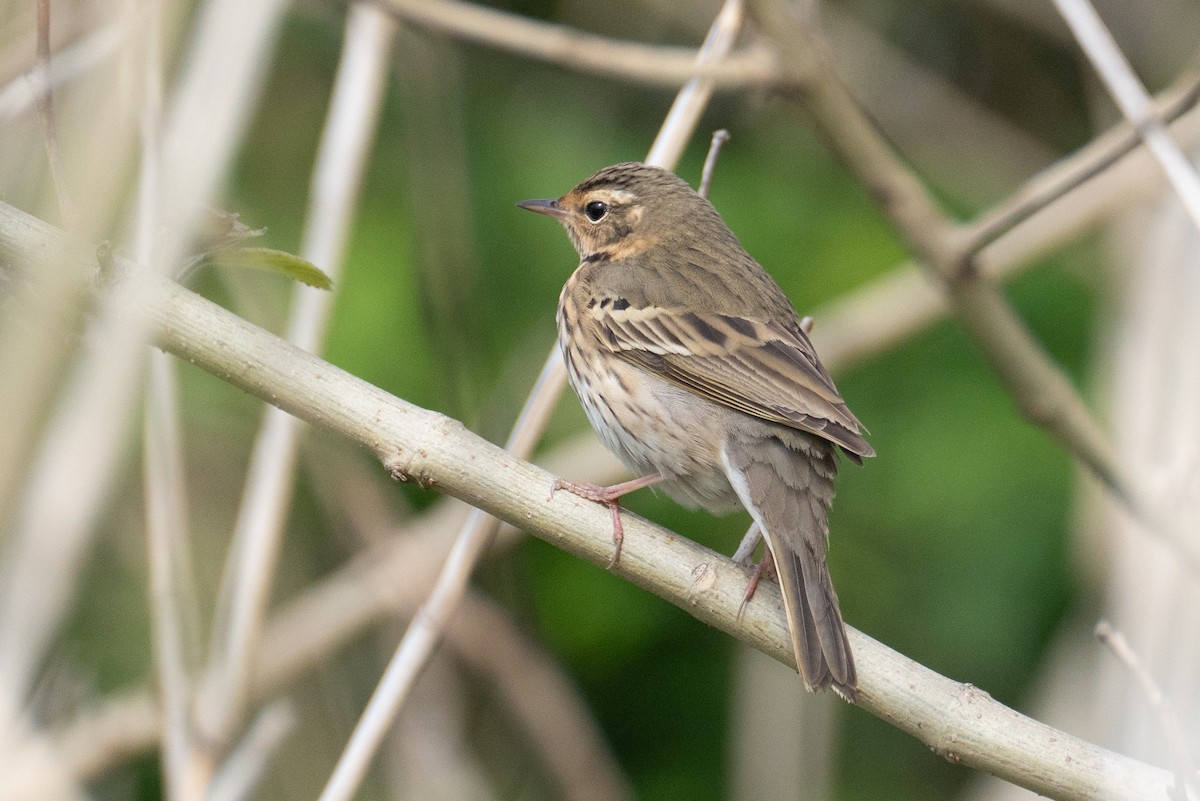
611	497
765	566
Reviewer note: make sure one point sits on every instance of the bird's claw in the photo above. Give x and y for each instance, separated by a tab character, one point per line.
605	496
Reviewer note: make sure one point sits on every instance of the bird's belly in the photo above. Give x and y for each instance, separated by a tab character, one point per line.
654	426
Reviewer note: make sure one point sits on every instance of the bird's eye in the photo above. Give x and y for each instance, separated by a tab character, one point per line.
595	210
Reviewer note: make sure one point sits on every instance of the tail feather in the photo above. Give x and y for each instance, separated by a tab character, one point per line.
821	606
802	622
787	487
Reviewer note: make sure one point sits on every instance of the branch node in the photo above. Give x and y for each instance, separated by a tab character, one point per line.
397	465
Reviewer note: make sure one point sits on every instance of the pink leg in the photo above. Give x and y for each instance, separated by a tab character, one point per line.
610	497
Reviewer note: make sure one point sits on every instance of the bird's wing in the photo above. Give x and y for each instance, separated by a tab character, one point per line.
761	368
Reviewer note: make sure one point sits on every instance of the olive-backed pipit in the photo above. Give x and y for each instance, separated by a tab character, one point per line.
693	368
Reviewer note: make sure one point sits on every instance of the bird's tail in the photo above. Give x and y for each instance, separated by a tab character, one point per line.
785	481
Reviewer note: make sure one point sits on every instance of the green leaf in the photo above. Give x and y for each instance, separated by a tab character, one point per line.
276	261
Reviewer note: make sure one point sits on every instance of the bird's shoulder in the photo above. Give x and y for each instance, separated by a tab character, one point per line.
713	275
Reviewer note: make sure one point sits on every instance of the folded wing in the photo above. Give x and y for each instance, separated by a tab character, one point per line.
761	368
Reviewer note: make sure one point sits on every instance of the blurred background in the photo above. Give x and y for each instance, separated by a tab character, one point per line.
971	544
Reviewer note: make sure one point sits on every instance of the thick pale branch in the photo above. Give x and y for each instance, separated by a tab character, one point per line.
958	721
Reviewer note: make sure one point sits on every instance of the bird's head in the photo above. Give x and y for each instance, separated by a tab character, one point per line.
616	212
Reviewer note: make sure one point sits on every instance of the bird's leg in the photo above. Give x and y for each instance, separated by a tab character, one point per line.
766	565
611	497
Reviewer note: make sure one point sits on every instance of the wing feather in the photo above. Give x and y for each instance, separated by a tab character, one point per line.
761	368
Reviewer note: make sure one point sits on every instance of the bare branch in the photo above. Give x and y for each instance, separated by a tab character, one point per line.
719	138
1053	206
1131	97
1040	389
238	776
566	47
45	106
170	598
1177	741
28	89
1082	167
959	722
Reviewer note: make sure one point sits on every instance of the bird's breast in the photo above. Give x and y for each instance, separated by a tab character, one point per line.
650	424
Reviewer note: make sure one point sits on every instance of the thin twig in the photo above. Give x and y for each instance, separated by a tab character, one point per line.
681	121
28	89
1131	97
719	138
241	772
1082	167
535	690
1173	733
45	106
166	535
567	47
902	93
163	476
1048	210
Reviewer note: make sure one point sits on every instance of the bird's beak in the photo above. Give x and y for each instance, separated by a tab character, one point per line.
549	206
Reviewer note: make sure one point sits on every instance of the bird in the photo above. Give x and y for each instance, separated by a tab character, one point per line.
695	370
